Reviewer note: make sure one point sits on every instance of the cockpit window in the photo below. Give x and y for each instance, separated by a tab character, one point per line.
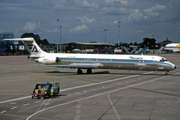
163	60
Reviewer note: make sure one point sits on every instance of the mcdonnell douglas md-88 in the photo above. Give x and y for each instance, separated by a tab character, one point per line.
95	61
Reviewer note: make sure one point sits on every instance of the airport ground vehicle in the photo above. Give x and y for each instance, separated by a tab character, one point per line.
46	90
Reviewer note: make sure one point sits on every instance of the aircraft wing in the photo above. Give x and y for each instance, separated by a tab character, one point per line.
78	65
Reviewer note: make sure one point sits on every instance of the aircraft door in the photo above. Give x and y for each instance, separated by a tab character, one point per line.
155	63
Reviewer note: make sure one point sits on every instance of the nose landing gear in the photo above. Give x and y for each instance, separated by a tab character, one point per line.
167	73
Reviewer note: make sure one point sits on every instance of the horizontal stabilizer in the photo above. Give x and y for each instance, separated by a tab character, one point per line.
20	39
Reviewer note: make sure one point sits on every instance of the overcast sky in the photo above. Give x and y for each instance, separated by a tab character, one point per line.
85	20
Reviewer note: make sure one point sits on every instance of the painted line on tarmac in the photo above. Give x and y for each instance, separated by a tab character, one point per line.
26	104
114	109
97	95
3	111
87	85
19	116
37	101
13	103
13	108
15	99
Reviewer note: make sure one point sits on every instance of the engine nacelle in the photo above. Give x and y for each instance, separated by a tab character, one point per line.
47	60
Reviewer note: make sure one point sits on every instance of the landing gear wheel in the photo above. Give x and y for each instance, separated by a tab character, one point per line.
79	71
89	71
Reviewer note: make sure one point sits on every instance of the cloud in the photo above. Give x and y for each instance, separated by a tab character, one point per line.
87	4
79	29
90	16
58	7
85	19
49	31
30	26
135	15
155	10
122	2
140	31
115	22
114	10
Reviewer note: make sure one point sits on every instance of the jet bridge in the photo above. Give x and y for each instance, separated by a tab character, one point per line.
108	50
126	50
133	50
137	52
144	50
160	49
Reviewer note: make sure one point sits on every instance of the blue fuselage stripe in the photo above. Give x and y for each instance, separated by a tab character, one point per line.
110	60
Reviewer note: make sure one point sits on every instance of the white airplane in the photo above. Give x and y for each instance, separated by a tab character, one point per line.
174	47
95	61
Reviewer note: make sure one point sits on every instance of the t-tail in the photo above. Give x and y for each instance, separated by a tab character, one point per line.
34	50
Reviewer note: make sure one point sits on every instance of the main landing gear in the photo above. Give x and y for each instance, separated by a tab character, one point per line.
79	71
89	71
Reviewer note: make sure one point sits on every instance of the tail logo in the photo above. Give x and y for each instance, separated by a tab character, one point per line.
34	49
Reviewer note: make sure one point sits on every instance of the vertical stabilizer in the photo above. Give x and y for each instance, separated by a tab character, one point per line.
31	46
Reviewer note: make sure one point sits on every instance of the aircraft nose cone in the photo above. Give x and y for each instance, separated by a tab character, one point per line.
173	67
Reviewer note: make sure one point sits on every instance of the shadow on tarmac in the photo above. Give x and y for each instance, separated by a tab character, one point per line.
107	72
52	97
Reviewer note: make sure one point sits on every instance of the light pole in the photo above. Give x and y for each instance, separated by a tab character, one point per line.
57	34
178	38
105	34
60	38
173	32
118	33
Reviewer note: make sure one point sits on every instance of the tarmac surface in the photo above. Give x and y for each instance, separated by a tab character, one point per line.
103	95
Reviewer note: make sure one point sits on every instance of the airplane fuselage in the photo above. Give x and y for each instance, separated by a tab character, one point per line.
126	62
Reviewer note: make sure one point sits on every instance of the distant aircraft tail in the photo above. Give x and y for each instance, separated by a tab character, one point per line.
30	44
